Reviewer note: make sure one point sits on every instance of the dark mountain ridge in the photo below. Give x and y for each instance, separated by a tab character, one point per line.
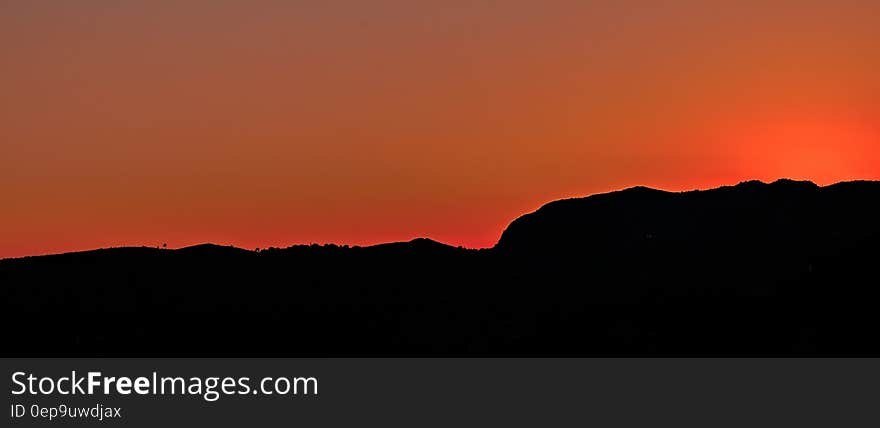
787	205
785	268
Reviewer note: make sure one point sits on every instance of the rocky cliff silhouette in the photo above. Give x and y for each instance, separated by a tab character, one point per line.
787	268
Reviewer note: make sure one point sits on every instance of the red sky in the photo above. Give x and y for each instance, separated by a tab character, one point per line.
273	123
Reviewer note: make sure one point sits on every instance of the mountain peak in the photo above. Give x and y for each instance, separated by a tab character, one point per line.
621	219
790	183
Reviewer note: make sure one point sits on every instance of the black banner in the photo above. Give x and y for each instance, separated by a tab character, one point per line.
442	392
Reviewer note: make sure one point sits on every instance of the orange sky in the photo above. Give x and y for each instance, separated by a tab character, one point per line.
272	123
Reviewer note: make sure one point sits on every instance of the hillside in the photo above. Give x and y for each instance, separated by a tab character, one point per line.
786	268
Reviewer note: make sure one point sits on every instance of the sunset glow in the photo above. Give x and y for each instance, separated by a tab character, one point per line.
274	123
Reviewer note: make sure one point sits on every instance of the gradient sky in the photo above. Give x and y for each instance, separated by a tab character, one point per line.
261	123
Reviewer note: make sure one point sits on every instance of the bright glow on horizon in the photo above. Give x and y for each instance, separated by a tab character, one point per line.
269	123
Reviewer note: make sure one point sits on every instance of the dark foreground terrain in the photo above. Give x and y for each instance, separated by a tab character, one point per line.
786	268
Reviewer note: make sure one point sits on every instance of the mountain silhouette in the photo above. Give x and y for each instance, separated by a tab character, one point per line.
780	269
